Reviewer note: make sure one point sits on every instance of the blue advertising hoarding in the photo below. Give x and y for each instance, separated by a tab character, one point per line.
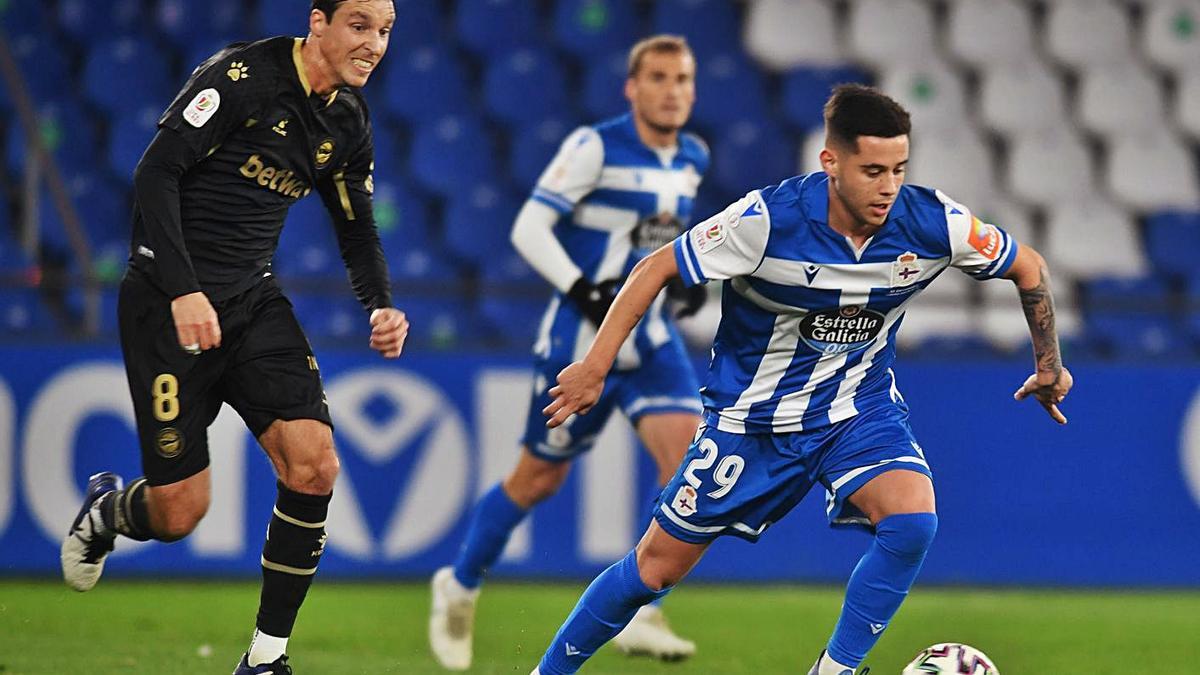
1113	498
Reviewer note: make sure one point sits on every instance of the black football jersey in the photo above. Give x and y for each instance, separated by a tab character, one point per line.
262	139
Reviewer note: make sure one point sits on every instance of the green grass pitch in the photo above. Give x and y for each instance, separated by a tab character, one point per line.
202	627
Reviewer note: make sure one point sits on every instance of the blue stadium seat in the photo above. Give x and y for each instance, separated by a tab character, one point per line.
184	22
424	82
13	259
124	74
1132	318
710	26
525	85
440	322
591	28
806	89
414	262
331	316
281	17
730	88
401	217
533	146
478	223
196	53
451	154
24	18
492	27
1172	240
508	267
66	132
83	20
1145	295
102	206
22	312
603	85
750	154
515	318
308	246
127	140
43	62
417	22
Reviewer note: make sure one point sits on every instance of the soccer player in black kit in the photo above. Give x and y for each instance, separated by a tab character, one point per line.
202	319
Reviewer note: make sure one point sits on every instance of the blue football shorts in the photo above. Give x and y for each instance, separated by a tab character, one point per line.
738	484
665	382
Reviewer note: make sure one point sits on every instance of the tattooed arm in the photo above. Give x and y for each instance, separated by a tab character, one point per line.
1050	381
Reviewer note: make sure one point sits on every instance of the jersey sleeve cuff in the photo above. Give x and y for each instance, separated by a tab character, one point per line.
1003	261
685	259
554	200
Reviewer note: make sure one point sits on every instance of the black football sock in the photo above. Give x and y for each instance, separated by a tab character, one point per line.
125	512
295	541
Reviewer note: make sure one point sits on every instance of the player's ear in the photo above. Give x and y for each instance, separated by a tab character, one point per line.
828	161
317	23
630	86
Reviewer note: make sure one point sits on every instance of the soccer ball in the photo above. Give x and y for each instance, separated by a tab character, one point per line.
951	658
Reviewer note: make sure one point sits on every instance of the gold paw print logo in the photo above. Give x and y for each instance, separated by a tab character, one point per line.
280	128
238	71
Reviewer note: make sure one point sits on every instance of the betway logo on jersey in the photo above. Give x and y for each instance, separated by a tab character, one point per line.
840	330
283	181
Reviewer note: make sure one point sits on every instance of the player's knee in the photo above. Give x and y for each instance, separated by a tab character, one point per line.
314	477
907	535
177	523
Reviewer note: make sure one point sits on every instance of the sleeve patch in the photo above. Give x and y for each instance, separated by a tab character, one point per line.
202	108
705	240
984	238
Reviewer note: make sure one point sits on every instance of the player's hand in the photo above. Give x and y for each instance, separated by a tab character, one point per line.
593	300
196	323
579	387
1049	388
389	328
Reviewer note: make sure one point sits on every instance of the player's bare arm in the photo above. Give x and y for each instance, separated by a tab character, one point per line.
389	329
580	384
1050	381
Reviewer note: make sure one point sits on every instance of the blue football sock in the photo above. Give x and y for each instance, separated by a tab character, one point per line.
880	583
604	609
495	517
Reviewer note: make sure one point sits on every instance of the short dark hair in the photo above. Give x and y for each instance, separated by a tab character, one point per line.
327	7
658	44
858	110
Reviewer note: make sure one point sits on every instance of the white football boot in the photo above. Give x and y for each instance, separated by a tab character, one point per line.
649	634
89	541
451	620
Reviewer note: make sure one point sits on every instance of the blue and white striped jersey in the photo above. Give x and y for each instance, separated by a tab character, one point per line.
619	199
808	321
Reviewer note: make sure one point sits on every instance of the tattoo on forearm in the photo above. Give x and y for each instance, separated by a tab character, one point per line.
1038	304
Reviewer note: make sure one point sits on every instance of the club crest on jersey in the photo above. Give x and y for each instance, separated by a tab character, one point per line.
906	269
841	329
685	501
202	107
324	153
984	238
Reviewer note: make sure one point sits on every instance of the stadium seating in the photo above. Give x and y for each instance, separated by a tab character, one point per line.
1060	121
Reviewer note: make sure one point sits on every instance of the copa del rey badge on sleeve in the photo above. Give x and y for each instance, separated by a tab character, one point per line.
906	269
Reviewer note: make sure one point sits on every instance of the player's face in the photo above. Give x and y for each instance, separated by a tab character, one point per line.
354	41
867	181
663	90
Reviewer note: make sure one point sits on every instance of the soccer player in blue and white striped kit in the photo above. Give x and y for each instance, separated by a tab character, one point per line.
817	271
615	192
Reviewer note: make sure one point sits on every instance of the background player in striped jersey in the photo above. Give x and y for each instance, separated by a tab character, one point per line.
203	321
615	192
817	271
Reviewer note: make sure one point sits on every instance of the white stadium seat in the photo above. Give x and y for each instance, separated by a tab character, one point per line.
1087	32
988	32
932	93
955	161
1171	34
1153	171
1187	104
1002	320
1088	236
1046	165
1119	98
891	32
929	317
1013	218
783	34
1021	97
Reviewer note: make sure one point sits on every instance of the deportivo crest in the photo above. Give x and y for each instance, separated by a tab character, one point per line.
906	270
202	107
685	501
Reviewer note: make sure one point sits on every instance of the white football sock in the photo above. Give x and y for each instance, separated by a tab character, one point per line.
265	648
